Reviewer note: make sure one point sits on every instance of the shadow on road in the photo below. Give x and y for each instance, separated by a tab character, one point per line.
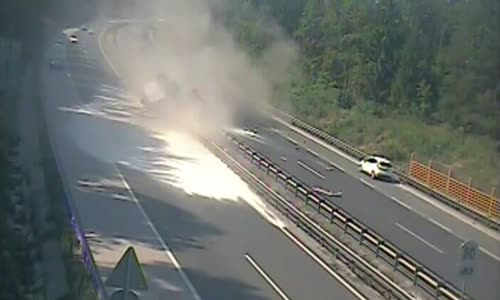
208	286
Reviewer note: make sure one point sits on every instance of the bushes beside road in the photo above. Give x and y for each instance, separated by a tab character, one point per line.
391	76
22	236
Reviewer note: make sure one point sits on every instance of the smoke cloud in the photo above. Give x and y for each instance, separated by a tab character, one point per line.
193	48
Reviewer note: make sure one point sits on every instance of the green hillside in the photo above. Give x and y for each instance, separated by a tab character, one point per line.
391	76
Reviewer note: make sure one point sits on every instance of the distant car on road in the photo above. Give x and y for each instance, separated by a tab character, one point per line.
251	131
73	39
377	166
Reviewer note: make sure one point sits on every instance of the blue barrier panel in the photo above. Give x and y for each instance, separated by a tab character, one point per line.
88	259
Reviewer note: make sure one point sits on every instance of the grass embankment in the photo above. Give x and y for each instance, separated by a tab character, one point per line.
398	136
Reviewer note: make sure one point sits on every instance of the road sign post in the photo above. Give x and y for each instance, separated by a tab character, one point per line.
127	276
468	254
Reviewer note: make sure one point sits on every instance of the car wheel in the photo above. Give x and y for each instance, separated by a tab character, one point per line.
372	175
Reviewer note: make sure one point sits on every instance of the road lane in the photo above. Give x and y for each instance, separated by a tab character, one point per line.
462	226
238	230
434	247
210	238
435	235
109	236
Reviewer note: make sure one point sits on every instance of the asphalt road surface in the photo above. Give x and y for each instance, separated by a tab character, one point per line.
431	244
415	228
225	248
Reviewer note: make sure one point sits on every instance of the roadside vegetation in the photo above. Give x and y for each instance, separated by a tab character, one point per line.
21	238
394	77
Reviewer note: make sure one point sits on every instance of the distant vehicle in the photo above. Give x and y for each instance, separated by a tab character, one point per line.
251	131
55	64
73	39
90	31
84	28
377	166
328	193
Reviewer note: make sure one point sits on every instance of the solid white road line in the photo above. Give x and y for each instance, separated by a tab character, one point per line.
167	250
452	212
407	206
419	238
315	139
420	195
338	167
266	277
440	225
311	254
303	165
489	253
367	183
101	34
327	268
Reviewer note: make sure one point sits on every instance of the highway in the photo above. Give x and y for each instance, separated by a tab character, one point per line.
429	242
225	249
417	231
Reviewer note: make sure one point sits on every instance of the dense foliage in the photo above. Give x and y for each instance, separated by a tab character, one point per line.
21	25
374	68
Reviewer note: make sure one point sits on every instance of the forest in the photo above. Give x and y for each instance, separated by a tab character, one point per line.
391	76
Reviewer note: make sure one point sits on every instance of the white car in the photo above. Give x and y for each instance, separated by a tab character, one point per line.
251	131
376	166
73	39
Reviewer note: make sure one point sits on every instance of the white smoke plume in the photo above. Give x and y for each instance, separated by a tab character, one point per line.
194	49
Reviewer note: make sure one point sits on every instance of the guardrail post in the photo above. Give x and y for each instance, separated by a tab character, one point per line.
418	269
319	205
332	215
379	244
396	261
412	158
429	168
362	236
448	181
438	289
467	192
492	202
346	225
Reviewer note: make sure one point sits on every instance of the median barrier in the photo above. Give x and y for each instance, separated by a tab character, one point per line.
365	271
477	204
421	276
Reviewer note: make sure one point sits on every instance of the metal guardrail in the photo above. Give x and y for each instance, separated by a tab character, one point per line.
88	259
358	265
382	248
72	212
358	154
